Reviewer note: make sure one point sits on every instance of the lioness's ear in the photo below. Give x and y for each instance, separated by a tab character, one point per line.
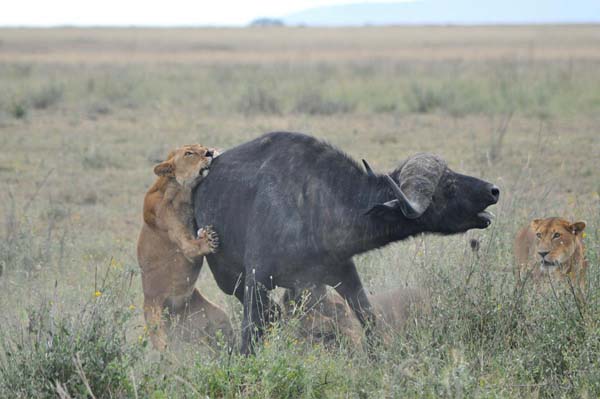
577	227
535	223
164	169
171	154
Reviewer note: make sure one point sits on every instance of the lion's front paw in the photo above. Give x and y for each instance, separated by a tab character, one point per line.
209	238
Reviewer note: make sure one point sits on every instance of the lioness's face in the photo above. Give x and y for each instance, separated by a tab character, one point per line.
555	240
187	164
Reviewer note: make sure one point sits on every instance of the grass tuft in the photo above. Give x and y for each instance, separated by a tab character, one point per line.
313	103
81	354
258	100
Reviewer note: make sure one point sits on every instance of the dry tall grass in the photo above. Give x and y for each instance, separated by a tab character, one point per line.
84	114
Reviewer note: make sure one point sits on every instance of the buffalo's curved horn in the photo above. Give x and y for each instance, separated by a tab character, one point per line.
410	210
419	178
368	168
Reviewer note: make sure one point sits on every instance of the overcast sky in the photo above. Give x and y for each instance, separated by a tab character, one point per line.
150	12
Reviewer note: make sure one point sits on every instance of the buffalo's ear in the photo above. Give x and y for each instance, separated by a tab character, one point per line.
165	168
577	227
386	209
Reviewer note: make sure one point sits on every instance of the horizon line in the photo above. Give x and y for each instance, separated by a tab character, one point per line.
300	25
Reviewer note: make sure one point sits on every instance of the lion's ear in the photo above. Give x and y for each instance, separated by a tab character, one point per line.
535	223
171	154
577	227
165	168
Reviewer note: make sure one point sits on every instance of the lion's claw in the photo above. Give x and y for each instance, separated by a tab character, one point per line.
210	237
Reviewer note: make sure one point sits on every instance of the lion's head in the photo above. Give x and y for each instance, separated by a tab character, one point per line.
187	164
556	240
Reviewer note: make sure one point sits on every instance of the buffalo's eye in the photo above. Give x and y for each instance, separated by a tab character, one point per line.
538	235
451	190
555	235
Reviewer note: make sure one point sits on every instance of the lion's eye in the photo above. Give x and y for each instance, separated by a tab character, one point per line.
555	235
188	153
538	235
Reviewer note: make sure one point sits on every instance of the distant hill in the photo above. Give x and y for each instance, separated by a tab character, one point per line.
266	22
450	12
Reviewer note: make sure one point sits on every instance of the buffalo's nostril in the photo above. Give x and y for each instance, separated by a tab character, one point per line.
495	191
543	254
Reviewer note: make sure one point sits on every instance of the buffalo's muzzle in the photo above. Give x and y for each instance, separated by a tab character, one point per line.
494	193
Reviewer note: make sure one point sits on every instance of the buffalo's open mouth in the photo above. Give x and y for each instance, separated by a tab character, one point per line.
485	218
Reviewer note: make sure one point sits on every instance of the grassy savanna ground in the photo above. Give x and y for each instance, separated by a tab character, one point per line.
84	115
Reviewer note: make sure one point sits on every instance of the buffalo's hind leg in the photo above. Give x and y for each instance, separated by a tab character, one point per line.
347	283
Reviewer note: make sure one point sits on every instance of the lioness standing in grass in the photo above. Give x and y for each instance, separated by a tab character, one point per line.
168	253
552	247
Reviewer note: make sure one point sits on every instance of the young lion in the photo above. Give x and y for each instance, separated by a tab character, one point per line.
325	316
554	247
168	253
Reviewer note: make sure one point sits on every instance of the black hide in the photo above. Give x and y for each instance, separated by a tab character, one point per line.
291	211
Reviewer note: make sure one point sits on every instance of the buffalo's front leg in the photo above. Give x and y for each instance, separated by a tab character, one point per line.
347	283
256	311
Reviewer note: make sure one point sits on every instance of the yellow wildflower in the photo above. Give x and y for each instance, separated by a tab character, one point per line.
97	294
115	264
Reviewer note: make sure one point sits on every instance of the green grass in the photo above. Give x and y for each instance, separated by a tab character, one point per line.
536	89
80	133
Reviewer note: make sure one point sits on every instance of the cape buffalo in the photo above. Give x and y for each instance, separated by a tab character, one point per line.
292	211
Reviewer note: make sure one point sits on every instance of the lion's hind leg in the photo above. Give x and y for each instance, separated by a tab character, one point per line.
201	320
153	313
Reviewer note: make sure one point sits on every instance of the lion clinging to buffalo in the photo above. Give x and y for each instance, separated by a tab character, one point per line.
170	255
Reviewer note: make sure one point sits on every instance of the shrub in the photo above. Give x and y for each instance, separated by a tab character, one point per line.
258	100
97	109
93	159
313	103
18	109
46	97
283	367
21	250
81	354
424	100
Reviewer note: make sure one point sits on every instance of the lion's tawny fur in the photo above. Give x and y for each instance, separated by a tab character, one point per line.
326	316
561	243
